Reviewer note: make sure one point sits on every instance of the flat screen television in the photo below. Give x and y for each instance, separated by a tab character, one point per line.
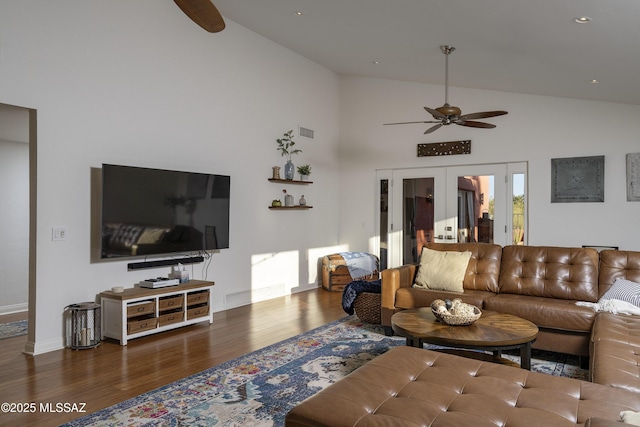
153	211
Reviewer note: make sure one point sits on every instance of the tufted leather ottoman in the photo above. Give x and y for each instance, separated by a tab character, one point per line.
415	387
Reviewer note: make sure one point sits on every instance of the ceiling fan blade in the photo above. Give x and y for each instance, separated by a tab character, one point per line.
203	13
474	124
482	115
433	128
408	123
436	114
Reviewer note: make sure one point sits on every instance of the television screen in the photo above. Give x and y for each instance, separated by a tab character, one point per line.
153	211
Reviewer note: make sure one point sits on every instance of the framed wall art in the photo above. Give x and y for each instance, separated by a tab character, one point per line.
577	179
633	177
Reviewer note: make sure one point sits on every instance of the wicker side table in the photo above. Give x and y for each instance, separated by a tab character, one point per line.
367	307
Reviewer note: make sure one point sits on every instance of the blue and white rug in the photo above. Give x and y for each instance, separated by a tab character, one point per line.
13	329
258	389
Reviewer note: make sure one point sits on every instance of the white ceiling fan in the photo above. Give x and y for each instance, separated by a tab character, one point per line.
448	114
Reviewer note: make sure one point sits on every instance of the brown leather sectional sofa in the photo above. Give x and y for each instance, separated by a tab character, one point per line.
417	387
542	284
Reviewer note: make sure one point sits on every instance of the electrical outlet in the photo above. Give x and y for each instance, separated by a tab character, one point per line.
59	233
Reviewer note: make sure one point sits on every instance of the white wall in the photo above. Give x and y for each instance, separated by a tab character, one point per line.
14	226
138	83
536	130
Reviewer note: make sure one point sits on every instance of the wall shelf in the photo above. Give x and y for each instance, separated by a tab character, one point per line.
290	181
298	207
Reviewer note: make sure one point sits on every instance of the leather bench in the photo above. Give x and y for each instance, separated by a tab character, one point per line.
414	387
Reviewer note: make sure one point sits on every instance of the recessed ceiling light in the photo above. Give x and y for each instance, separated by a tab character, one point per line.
582	19
376	62
594	81
299	13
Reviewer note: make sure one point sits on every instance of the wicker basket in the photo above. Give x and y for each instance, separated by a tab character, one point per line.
458	320
367	307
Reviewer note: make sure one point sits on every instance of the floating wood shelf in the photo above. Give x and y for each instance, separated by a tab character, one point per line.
290	181
290	207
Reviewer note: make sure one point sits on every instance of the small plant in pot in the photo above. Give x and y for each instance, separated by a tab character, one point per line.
285	146
304	171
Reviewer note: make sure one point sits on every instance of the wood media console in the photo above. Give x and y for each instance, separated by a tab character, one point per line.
138	312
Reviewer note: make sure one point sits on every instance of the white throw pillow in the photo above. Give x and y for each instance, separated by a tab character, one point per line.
442	270
624	290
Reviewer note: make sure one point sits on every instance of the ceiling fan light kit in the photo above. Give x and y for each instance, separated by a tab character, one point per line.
448	114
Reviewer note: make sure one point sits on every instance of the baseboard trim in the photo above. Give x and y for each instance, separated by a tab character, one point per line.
15	308
34	349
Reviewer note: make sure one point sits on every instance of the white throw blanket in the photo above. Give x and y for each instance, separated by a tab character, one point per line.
614	306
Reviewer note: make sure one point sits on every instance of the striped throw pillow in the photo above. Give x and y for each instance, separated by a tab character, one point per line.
625	290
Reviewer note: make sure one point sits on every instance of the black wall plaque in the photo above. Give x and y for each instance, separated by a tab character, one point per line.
444	148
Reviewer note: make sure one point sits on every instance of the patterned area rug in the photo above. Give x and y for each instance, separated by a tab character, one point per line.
258	389
13	329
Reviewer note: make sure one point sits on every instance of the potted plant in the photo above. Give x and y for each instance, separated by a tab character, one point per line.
304	171
285	146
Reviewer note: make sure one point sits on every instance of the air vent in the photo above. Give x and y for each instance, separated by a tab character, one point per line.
307	133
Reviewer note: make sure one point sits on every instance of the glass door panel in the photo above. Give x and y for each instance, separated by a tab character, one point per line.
418	199
383	223
418	217
479	211
518	209
475	208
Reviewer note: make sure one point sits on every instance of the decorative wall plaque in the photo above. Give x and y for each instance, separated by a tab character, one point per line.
577	179
444	148
633	177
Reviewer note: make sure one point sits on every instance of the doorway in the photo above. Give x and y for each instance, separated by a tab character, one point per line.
17	220
474	203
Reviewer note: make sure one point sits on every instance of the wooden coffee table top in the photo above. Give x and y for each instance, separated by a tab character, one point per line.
493	329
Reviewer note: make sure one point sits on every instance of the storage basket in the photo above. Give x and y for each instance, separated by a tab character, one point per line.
367	307
335	273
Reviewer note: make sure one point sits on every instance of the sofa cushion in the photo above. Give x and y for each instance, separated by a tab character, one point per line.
615	364
407	298
615	351
618	265
442	270
550	313
484	264
551	272
624	290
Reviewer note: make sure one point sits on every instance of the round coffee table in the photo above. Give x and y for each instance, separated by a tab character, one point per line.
492	332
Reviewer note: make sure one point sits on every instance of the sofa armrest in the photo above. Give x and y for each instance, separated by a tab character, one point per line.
392	280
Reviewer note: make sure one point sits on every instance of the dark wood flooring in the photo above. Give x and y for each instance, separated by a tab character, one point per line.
111	373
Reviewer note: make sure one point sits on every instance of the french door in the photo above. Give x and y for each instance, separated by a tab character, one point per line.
447	205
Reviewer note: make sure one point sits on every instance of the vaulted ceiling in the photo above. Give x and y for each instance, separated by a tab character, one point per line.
520	46
533	47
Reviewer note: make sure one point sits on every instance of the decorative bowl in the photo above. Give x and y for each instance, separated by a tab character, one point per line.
456	313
